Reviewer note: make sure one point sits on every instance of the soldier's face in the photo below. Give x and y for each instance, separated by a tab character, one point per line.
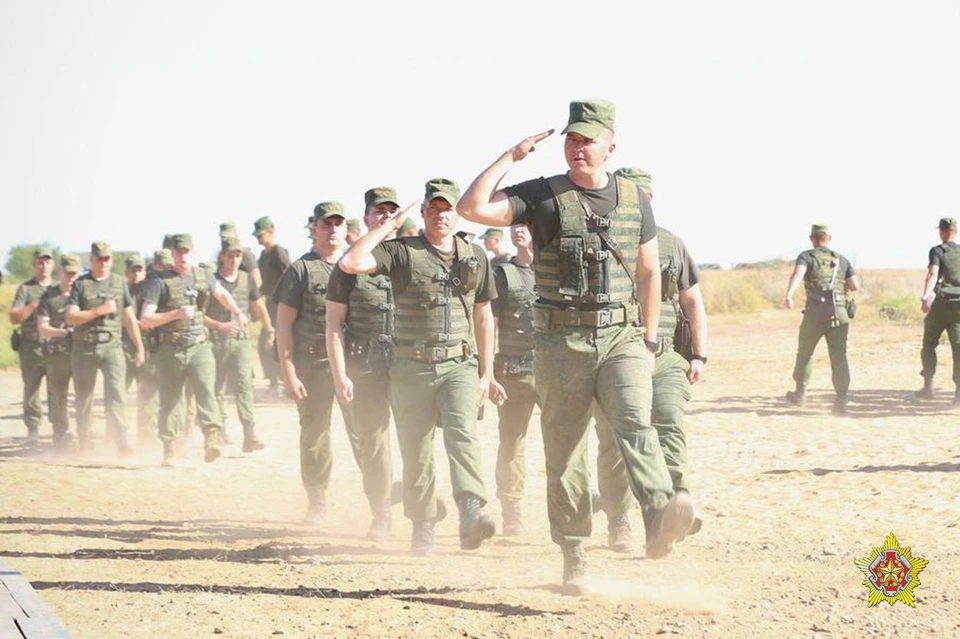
67	278
181	259
43	267
491	243
377	215
330	232
100	264
231	260
265	237
585	155
135	274
439	217
520	235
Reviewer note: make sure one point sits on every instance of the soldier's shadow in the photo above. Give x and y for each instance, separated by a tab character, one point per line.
861	404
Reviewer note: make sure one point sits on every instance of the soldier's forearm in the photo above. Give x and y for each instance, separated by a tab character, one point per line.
79	318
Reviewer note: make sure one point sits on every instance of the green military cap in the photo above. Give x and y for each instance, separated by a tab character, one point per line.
262	225
230	243
353	225
227	228
407	225
590	117
167	241
134	261
327	209
948	223
309	222
70	263
163	257
819	229
640	176
100	249
43	251
491	233
182	241
380	195
442	188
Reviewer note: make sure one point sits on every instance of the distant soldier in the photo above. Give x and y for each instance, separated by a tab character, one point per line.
359	333
231	344
249	264
409	228
100	308
273	261
513	368
26	301
493	242
353	231
301	298
145	376
828	277
52	324
174	304
941	304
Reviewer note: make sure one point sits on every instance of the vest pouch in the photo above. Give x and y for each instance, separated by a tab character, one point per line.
467	274
683	339
823	305
16	339
668	282
572	267
203	298
852	308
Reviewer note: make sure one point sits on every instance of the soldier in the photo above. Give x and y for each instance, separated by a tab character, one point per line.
249	264
100	307
26	301
301	344
353	231
680	362
359	331
596	258
513	367
493	242
273	261
145	375
442	286
409	228
231	344
173	304
940	303
827	277
52	324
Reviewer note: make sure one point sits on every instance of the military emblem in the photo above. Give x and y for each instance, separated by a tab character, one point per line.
891	573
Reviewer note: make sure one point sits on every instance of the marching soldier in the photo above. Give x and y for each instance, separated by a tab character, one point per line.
940	303
273	261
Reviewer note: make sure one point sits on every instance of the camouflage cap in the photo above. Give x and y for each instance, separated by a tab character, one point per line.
167	241
182	241
640	176
70	263
163	257
226	228
353	224
230	243
134	261
100	249
43	251
407	226
442	188
818	230
327	209
491	233
309	222
948	223
590	117
380	195
262	225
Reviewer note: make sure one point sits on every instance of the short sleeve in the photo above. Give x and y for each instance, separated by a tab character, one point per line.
689	275
289	289
248	263
152	290
44	309
75	294
804	259
340	286
486	288
127	297
20	298
500	282
934	257
648	228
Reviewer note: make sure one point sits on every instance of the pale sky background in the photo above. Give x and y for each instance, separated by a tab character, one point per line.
125	120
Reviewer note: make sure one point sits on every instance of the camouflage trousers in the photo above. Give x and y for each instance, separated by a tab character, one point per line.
811	331
148	389
514	417
235	375
316	412
59	367
942	317
176	365
268	356
111	362
32	371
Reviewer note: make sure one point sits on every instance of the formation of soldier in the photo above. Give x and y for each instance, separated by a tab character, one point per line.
597	318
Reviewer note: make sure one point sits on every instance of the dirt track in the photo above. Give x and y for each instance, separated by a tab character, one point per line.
790	498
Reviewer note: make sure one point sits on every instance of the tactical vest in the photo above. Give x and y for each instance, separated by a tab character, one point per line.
824	274
28	329
180	294
577	266
948	280
370	311
309	331
437	306
90	298
240	293
515	327
669	284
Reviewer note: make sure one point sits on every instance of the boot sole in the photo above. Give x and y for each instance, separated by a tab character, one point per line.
675	523
477	535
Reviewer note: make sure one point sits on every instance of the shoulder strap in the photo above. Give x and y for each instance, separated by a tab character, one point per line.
598	225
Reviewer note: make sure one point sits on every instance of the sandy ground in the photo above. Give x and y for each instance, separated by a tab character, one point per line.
790	498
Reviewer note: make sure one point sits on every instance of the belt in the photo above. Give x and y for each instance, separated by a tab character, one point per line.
94	337
360	348
666	345
513	364
55	347
549	318
433	354
316	348
217	336
182	339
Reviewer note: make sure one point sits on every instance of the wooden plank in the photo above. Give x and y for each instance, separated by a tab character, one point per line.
8	607
24	594
9	628
22	612
41	628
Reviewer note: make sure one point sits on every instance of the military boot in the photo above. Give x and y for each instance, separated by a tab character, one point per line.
250	441
380	525
475	526
927	391
668	524
574	571
421	541
512	517
620	534
840	405
798	396
211	444
169	454
316	508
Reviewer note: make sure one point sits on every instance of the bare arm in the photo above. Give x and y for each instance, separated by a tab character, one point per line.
286	316
930	282
691	303
484	329
648	286
44	328
359	259
336	318
133	330
795	278
482	202
150	318
20	315
852	283
76	317
257	278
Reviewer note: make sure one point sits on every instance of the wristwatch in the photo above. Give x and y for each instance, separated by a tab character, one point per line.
652	345
699	358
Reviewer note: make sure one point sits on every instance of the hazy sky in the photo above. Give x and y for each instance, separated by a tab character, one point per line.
125	120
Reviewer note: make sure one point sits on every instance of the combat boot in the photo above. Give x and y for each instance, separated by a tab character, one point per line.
574	571
316	509
668	524
620	534
840	405
211	444
250	441
475	526
169	454
421	541
927	391
380	526
512	517
798	396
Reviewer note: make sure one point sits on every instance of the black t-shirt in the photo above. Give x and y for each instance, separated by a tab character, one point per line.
393	259
273	262
340	286
533	204
293	283
688	274
155	289
937	253
253	294
52	293
526	275
102	287
844	269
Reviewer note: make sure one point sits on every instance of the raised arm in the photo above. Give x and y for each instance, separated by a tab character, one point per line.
359	259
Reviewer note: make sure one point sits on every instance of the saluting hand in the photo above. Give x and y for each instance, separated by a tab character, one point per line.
528	145
401	216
